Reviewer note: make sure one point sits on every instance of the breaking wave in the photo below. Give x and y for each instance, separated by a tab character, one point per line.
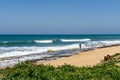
75	40
43	41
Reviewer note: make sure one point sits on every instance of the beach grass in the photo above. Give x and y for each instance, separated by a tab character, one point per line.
107	70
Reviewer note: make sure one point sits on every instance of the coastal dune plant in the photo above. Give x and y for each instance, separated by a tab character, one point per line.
107	70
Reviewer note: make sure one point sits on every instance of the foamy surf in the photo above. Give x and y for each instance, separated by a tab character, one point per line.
20	51
75	40
43	41
102	43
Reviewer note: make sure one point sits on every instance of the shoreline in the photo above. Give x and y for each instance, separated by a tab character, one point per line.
46	56
86	58
57	58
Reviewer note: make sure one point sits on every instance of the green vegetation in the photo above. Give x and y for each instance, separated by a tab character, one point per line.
109	70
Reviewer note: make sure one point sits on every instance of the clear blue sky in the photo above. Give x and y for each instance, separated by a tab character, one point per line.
59	16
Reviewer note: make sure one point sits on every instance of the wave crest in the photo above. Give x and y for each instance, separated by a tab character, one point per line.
75	40
43	41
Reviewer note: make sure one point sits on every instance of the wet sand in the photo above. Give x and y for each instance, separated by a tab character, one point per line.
88	58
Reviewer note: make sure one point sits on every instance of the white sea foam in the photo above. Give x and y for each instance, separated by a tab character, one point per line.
75	40
12	62
20	51
114	42
102	43
43	41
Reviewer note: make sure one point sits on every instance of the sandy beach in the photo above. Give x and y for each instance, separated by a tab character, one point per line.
88	58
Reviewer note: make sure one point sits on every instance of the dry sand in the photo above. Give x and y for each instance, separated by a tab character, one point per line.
88	58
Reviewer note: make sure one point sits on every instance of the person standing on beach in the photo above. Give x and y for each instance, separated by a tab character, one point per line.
80	46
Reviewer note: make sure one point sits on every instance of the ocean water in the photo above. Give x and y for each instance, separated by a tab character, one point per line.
30	46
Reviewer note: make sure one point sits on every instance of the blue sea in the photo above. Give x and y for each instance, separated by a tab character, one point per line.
29	47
